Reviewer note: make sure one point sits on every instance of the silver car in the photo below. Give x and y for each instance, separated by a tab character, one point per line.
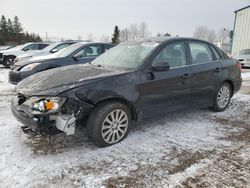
243	57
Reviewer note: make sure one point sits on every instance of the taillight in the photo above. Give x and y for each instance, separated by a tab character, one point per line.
238	65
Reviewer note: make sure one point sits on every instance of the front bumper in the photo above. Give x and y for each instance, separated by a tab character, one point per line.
17	76
1	59
37	124
48	124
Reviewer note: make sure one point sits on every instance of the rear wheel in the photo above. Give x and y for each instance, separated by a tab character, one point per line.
8	61
109	124
222	98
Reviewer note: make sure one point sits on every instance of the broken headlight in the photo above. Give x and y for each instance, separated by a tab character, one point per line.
45	105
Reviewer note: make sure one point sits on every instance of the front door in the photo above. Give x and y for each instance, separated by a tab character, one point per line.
162	92
87	54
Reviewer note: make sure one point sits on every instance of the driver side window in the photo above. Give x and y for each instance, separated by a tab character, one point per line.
89	51
174	54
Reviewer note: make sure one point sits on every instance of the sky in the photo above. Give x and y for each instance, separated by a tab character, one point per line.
69	19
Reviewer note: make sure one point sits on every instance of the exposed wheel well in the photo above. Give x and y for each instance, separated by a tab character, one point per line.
124	101
231	85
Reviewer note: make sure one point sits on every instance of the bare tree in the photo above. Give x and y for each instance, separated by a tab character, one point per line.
222	34
105	38
90	37
203	32
125	34
79	37
211	36
134	31
143	30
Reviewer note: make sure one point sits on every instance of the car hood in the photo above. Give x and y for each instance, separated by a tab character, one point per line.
38	59
29	53
11	51
55	81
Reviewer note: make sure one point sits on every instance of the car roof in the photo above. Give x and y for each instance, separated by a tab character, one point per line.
162	39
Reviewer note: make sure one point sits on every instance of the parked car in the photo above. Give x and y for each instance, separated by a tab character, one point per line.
6	47
79	53
6	50
8	56
244	58
133	81
52	48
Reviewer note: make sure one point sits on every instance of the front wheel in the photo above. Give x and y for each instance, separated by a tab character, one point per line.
8	61
222	98
109	123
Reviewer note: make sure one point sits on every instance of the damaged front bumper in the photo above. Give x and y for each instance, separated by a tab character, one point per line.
48	124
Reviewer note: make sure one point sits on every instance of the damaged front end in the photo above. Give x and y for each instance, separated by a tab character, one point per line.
49	115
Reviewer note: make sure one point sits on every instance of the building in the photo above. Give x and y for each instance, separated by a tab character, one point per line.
241	33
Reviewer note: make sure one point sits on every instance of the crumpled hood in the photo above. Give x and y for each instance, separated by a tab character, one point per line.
55	81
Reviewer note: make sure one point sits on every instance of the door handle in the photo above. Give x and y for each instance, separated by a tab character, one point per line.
218	69
186	75
150	76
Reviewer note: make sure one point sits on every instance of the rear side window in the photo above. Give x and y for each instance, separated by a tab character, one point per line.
225	56
31	47
200	53
89	51
217	56
42	46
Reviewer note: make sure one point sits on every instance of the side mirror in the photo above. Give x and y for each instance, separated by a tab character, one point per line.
54	50
160	66
25	49
74	58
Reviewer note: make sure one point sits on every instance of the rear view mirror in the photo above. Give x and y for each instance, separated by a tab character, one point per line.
160	66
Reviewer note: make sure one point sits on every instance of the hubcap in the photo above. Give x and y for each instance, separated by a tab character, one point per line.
114	126
223	96
9	62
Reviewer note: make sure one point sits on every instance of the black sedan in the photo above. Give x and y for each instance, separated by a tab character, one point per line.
134	81
79	53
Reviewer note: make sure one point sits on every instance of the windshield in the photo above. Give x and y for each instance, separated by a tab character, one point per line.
69	50
244	52
50	47
126	56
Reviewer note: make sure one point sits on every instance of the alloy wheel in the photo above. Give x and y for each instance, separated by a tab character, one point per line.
223	96
114	126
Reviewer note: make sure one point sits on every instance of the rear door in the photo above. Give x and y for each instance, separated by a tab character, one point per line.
206	71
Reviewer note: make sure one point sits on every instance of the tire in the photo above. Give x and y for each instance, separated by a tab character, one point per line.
8	61
105	130
222	98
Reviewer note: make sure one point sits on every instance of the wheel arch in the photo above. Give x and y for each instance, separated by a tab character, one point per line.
122	100
230	82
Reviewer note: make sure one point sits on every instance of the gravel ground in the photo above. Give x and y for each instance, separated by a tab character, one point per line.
193	148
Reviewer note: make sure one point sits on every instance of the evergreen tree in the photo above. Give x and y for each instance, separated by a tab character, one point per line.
3	24
17	26
11	32
116	35
3	30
